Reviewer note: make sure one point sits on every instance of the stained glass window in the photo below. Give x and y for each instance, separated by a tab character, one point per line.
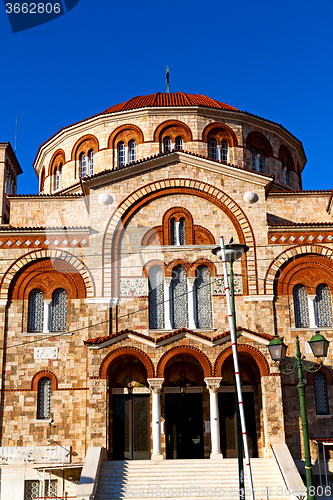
179	143
182	231
320	390
91	162
131	152
44	398
301	306
83	165
156	297
324	306
179	297
224	151
203	297
59	310
36	311
213	149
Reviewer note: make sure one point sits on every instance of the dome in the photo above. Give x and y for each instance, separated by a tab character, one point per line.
162	99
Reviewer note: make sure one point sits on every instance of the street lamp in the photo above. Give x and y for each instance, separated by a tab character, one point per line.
233	252
319	347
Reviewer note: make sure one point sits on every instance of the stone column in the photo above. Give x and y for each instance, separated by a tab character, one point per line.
191	304
213	384
312	311
155	385
167	303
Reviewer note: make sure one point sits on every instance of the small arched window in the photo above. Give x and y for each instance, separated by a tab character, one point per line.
156	297
301	306
224	151
131	152
121	154
255	164
91	162
182	231
203	297
166	144
173	234
35	311
320	390
179	143
213	149
324	306
177	231
44	392
57	178
262	161
59	310
179	297
83	165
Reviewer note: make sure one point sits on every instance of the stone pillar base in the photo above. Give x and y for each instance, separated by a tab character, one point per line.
157	456
216	456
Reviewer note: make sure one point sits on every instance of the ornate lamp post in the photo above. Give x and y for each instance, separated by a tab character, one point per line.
233	252
319	347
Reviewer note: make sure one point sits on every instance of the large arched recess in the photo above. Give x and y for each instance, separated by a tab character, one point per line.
189	351
259	358
127	351
166	187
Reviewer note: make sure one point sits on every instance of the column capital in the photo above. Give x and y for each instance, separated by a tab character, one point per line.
213	383
312	297
167	280
191	280
155	384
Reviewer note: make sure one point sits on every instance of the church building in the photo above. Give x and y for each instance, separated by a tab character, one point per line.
114	324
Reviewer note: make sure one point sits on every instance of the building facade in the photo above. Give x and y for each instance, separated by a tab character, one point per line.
113	306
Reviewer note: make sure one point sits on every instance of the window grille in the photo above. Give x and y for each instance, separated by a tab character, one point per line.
213	149
36	311
83	166
121	154
179	143
182	231
31	489
301	306
320	390
44	398
324	306
59	310
51	488
203	297
91	162
156	297
262	161
173	237
179	297
132	152
166	144
224	151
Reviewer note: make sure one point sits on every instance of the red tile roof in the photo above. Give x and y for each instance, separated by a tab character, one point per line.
162	100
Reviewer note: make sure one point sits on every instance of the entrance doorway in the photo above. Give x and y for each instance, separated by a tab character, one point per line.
184	426
131	427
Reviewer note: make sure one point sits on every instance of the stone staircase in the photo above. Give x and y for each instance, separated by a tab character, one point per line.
171	479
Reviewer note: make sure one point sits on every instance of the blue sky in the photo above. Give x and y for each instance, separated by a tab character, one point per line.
270	58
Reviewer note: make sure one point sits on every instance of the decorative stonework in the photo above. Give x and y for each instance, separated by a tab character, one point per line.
300	237
219	287
46	353
63	240
133	287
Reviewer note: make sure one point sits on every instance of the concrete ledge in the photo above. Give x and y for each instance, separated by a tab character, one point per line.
289	471
89	475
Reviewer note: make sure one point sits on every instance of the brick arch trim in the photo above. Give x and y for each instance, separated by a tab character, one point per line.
166	187
118	130
226	128
42	180
203	262
257	140
88	137
284	153
73	261
151	263
175	263
61	154
188	350
127	351
44	373
258	357
325	371
171	123
275	268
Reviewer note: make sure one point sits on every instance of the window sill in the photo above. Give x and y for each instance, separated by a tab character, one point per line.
323	416
175	248
43	421
41	334
196	330
312	329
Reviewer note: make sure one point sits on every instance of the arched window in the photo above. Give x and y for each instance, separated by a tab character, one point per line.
156	297
131	151
320	390
213	149
255	163
83	165
173	235
182	231
179	297
57	178
177	231
262	161
121	154
324	306
44	398
59	310
91	162
166	144
224	151
203	297
179	143
301	306
36	311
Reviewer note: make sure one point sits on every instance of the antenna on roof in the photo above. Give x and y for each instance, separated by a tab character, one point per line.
167	80
16	133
